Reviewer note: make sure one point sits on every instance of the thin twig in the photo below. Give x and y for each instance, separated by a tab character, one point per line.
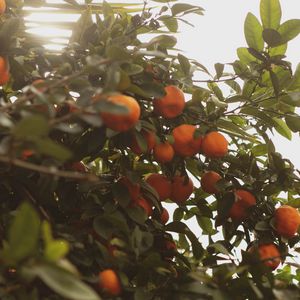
48	170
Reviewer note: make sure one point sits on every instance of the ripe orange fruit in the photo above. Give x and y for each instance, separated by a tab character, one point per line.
287	221
149	137
163	152
4	71
145	205
161	185
239	209
172	104
39	84
121	122
214	145
78	166
109	282
185	143
208	182
268	254
2	6
133	188
169	250
181	189
26	154
164	217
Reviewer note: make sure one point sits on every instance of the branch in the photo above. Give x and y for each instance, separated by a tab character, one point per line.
48	170
217	80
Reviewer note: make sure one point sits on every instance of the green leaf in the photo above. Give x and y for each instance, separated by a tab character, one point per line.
289	30
23	234
253	32
170	22
56	250
295	82
270	13
259	150
272	37
186	8
244	55
48	147
64	283
32	126
279	50
166	41
184	64
219	70
275	83
205	224
282	128
293	122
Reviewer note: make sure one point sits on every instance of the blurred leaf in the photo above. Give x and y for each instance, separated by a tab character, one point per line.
282	128
295	82
170	22
219	70
23	234
185	9
293	122
63	282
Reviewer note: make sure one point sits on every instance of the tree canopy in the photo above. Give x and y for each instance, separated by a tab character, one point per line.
95	139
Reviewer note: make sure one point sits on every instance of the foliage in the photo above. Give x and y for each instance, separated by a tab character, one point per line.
62	221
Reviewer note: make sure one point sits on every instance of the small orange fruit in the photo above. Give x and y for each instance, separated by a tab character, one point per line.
169	250
109	282
161	185
163	152
133	188
182	188
78	166
287	221
121	122
208	182
185	142
26	154
214	145
149	137
4	71
239	209
39	85
268	254
164	217
2	6
172	104
145	205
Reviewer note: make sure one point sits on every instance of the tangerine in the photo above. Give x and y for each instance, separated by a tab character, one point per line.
161	185
244	200
172	104
122	122
182	188
164	217
208	182
2	6
269	255
163	152
185	142
145	205
133	188
109	282
214	145
4	71
287	221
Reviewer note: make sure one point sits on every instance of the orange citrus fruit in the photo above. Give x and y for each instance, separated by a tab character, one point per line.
182	188
4	71
161	185
149	137
268	254
2	6
208	182
214	145
185	142
244	200
145	205
133	188
164	217
125	121
172	104
287	221
163	152
109	282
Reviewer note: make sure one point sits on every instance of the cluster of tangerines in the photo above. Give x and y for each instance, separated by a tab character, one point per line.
179	188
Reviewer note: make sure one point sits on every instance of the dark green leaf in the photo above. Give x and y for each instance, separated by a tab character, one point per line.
272	37
293	122
31	127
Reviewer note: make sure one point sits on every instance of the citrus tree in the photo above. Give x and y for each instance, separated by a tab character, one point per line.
97	139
